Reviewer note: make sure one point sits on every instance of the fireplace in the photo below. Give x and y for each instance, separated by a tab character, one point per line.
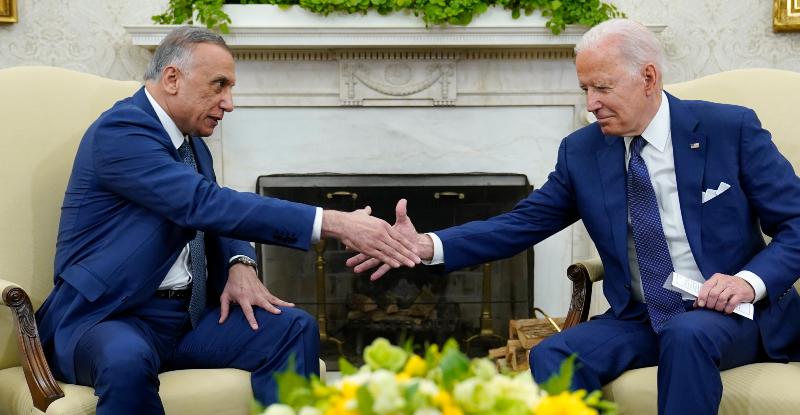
472	305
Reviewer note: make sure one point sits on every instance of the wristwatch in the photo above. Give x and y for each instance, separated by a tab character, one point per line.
241	259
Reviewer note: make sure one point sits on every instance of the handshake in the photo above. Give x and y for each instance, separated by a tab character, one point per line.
379	244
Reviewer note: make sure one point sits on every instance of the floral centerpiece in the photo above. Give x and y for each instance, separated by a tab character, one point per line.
395	381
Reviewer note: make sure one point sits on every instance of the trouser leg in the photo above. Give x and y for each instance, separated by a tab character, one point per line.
263	352
121	357
694	347
605	348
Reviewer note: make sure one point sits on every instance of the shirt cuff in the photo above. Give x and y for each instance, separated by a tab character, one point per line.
316	231
756	282
233	258
438	251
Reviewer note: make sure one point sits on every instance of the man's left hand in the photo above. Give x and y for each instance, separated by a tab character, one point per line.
724	292
244	288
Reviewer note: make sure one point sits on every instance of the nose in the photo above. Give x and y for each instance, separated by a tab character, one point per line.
227	101
592	102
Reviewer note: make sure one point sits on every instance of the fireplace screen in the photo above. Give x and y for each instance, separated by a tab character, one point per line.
423	304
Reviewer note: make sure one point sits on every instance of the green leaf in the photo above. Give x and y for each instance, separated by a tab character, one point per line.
346	367
365	401
454	364
562	381
293	390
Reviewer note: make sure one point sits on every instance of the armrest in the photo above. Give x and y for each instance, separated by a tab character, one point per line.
583	274
43	387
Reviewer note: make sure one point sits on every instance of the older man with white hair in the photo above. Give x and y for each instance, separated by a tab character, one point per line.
664	187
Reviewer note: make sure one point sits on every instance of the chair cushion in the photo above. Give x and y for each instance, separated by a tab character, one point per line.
760	388
195	391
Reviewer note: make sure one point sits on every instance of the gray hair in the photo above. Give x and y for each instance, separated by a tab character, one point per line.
638	46
176	49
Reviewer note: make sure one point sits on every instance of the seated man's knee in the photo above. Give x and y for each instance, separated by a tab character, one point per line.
132	367
295	319
684	329
548	354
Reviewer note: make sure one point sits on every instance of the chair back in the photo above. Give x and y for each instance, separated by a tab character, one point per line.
771	93
45	112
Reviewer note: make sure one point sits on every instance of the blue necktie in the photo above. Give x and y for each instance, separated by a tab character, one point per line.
197	254
652	253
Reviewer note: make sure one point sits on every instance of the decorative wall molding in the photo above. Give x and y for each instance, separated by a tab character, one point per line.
411	81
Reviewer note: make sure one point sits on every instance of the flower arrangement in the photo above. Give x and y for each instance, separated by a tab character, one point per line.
394	381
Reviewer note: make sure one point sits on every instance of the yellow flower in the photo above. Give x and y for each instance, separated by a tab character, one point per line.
415	366
564	403
444	401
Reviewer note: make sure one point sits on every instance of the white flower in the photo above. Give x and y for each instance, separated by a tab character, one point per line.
308	410
484	368
427	411
385	392
279	409
473	395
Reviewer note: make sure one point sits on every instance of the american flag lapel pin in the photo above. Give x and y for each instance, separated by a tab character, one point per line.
694	146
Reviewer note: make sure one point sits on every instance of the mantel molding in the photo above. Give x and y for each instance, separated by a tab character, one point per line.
266	27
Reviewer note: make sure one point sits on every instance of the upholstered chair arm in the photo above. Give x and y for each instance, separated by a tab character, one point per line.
41	383
583	274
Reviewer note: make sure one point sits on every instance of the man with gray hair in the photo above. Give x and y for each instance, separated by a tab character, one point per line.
152	268
638	178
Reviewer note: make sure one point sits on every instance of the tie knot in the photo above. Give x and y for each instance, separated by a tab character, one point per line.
637	144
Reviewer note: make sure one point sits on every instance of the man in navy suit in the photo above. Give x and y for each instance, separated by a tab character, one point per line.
661	185
151	252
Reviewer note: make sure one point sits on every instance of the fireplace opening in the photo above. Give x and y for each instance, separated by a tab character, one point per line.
471	305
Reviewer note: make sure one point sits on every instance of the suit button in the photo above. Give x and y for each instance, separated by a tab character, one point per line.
628	287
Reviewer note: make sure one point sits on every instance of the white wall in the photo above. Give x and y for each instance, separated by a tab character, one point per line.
702	36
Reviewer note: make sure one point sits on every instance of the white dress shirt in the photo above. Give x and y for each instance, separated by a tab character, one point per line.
178	277
661	167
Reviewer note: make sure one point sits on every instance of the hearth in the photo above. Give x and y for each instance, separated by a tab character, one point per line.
472	305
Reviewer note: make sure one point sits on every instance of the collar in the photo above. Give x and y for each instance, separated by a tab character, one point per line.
658	131
175	134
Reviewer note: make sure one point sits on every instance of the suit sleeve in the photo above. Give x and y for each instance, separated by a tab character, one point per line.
131	160
543	213
773	189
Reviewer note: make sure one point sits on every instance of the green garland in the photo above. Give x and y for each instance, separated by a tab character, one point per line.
433	12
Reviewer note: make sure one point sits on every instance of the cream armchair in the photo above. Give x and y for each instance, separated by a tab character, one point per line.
762	388
45	111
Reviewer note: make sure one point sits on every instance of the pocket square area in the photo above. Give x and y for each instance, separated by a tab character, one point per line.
712	193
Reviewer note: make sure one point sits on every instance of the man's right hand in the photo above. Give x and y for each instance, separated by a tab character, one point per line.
422	245
370	236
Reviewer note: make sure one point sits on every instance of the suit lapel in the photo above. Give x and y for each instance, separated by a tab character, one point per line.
689	150
611	164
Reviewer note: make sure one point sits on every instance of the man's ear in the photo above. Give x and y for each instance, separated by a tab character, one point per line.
651	79
170	79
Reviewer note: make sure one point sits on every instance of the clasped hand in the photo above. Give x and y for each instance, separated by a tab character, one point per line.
421	246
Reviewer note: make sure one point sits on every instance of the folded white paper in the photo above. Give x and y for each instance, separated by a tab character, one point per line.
692	287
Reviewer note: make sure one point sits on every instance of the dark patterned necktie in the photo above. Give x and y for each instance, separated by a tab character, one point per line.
652	253
197	254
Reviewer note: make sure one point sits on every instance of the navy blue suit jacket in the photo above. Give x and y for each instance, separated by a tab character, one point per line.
724	233
130	207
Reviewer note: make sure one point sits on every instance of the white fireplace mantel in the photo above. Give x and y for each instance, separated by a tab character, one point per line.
269	27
